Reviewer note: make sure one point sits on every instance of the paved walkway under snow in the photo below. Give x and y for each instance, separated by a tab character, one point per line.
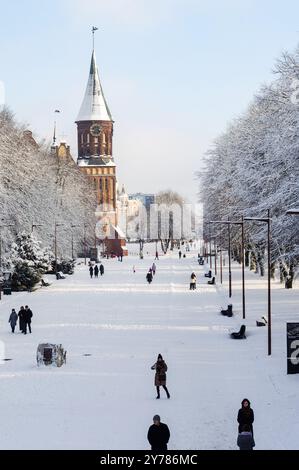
107	400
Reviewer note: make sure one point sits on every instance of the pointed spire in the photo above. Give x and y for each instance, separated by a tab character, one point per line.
94	106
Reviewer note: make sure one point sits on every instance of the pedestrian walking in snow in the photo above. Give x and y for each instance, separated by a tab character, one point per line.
193	281
245	438
21	319
101	269
27	319
149	277
134	269
245	415
180	254
160	377
154	267
158	435
13	319
96	271
157	255
91	271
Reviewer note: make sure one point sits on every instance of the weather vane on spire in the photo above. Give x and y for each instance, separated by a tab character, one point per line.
94	29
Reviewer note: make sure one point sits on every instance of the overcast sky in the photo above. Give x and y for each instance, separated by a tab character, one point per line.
174	73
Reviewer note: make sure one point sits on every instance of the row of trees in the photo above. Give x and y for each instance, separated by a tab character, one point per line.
254	166
38	188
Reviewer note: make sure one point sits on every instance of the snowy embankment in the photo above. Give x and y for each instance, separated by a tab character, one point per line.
107	400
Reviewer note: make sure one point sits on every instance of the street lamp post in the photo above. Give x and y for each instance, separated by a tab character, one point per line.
267	220
84	231
210	243
229	223
215	254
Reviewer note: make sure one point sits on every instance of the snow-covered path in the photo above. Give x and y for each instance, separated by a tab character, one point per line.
107	400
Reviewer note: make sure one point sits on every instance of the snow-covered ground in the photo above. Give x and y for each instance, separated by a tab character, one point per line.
107	400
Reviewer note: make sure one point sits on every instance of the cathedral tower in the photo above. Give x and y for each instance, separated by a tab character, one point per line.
95	157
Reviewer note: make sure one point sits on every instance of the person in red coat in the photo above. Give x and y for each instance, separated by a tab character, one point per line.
160	377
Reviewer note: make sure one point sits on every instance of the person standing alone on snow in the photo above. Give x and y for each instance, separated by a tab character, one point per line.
160	377
96	271
245	416
91	271
245	439
180	254
193	281
158	435
13	320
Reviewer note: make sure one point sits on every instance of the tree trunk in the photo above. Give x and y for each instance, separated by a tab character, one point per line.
253	263
247	258
273	266
261	263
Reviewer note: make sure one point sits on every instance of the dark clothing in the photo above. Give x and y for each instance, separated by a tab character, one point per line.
158	437
245	441
13	320
91	271
180	254
101	269
149	277
27	320
166	390
160	377
21	319
245	416
96	271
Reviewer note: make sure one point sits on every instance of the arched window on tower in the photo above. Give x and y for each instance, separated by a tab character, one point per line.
88	138
82	138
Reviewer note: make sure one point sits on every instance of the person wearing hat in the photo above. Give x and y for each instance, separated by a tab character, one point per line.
160	377
158	435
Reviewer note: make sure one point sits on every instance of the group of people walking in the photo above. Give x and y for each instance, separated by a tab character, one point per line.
95	270
25	315
151	273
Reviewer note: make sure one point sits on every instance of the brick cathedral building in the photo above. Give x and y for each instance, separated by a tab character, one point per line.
95	159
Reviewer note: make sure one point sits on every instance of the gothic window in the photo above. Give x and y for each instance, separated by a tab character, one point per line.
88	138
82	138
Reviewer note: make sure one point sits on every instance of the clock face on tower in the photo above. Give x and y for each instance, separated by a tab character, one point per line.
95	130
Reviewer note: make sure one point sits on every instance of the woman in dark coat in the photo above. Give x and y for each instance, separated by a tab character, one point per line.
91	271
160	377
21	316
245	415
149	277
101	269
13	320
96	271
